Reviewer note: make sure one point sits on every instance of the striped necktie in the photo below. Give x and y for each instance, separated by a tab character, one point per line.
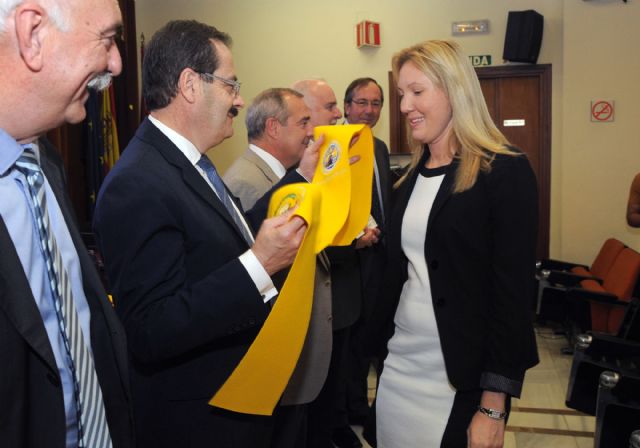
223	195
93	431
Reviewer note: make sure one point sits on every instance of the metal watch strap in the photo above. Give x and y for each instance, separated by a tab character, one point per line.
492	413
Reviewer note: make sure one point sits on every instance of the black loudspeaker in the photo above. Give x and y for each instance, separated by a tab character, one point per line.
524	36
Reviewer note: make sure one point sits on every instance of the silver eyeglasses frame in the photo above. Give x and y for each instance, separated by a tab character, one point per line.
365	103
235	85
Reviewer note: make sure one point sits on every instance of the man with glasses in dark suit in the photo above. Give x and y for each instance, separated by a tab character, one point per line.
191	283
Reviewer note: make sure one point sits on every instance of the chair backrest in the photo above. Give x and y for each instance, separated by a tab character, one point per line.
623	275
606	257
621	281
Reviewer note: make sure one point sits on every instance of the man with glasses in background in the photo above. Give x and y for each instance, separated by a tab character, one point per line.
190	282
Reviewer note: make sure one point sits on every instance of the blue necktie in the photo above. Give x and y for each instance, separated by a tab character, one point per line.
93	430
224	197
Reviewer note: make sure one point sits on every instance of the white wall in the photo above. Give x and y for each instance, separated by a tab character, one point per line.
279	41
599	160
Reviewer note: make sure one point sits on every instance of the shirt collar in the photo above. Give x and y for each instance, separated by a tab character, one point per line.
275	165
10	150
185	146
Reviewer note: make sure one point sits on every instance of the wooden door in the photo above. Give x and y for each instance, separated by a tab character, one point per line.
519	101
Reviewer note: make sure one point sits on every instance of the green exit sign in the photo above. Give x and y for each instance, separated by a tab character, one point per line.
480	60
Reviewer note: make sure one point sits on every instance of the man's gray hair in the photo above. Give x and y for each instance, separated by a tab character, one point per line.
57	13
6	6
269	104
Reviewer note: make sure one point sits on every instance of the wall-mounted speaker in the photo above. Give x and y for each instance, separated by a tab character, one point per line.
524	36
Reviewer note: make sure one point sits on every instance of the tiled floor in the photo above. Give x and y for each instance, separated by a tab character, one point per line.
540	418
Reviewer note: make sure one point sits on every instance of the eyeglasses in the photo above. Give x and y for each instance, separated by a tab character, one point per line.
364	103
235	85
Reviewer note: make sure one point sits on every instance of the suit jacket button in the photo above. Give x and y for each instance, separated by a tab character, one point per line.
329	317
440	302
434	265
53	379
327	283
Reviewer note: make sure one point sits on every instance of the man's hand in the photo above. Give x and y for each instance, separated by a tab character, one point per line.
277	242
371	236
309	161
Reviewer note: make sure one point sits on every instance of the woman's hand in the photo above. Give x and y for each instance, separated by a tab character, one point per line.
484	431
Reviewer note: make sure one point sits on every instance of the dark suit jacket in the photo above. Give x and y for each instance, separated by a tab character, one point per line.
372	259
188	305
480	251
346	290
347	275
32	409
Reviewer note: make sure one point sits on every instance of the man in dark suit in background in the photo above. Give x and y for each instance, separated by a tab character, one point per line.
63	361
190	282
327	424
363	100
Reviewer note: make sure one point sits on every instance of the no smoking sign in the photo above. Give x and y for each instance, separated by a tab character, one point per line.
602	110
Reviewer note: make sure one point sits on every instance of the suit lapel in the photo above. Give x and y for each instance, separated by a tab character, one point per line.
255	159
18	303
445	191
324	261
443	195
170	152
382	162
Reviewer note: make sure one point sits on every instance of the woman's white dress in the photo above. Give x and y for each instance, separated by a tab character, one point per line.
414	397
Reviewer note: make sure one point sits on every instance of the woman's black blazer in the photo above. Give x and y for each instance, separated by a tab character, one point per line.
480	251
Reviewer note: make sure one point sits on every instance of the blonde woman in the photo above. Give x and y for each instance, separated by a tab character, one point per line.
462	244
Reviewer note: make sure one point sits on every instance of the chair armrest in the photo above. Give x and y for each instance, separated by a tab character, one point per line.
557	265
593	296
568	278
627	386
611	346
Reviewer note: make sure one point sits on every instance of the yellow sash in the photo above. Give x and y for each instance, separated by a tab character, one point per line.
336	207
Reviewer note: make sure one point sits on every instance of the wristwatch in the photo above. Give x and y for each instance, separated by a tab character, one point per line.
492	413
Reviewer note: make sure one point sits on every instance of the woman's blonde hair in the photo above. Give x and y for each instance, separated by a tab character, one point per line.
475	137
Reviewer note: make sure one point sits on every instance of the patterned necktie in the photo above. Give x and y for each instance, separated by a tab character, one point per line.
218	185
93	430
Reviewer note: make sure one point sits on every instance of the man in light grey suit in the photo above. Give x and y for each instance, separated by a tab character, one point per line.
279	130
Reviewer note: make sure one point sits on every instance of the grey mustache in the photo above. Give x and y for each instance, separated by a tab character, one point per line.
100	82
